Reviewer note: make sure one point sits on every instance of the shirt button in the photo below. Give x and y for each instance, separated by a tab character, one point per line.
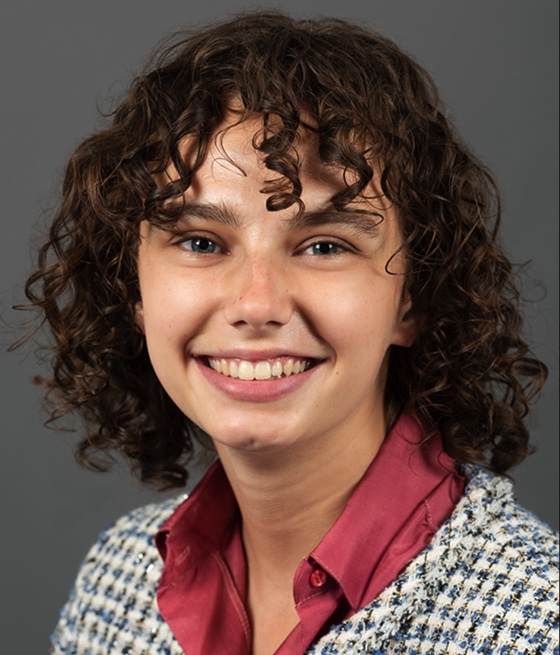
318	578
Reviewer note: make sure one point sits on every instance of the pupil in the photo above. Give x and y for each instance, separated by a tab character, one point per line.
325	248
202	244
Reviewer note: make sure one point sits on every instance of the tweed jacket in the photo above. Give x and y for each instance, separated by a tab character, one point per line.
487	583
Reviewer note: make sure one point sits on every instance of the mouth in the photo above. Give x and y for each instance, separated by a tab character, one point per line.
276	368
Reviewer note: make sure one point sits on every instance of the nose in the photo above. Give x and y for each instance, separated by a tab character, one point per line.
258	294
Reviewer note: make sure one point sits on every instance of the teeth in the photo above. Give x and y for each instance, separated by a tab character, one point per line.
263	370
246	371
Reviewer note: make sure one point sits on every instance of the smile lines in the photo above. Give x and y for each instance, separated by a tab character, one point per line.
263	370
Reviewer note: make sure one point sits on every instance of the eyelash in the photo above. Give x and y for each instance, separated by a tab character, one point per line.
217	249
193	239
330	244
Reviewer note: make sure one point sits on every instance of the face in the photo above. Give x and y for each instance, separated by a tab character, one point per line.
266	329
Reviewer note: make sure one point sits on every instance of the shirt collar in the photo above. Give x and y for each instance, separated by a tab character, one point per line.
405	471
203	522
385	499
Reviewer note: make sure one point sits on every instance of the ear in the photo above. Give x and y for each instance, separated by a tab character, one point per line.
407	327
139	317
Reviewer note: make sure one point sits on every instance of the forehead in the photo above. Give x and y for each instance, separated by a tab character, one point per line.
237	143
242	151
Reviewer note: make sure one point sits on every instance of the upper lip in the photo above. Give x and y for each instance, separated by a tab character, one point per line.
254	355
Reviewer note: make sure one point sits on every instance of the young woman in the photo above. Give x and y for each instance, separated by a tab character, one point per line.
281	249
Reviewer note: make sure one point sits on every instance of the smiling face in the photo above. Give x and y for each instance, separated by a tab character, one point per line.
268	329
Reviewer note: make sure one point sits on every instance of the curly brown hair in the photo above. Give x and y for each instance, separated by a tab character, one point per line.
469	372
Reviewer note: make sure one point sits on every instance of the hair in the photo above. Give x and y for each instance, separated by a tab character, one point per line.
469	373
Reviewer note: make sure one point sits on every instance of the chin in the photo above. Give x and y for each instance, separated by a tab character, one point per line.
249	440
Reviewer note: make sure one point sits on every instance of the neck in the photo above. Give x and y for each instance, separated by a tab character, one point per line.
290	499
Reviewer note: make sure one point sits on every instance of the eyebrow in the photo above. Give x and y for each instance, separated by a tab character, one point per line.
209	211
361	221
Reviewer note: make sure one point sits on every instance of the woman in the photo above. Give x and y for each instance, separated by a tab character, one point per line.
280	248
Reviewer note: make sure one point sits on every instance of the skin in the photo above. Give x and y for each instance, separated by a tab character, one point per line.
240	282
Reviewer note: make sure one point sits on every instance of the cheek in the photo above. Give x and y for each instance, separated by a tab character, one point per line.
173	309
365	310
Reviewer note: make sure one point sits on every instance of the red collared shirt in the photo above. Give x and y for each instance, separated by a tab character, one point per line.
406	494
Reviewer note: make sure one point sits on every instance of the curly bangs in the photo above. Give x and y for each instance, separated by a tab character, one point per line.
377	117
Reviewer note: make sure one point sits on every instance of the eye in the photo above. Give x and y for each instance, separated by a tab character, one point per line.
323	248
200	245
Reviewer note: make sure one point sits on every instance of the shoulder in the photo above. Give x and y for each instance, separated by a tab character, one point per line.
112	607
490	525
504	587
488	583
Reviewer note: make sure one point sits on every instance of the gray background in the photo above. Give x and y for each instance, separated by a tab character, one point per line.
495	62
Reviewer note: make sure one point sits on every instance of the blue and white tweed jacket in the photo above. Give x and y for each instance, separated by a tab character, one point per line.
487	583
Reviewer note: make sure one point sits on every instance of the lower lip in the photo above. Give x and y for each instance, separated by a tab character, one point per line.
255	390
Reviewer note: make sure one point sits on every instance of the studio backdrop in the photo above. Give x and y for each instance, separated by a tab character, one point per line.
496	65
